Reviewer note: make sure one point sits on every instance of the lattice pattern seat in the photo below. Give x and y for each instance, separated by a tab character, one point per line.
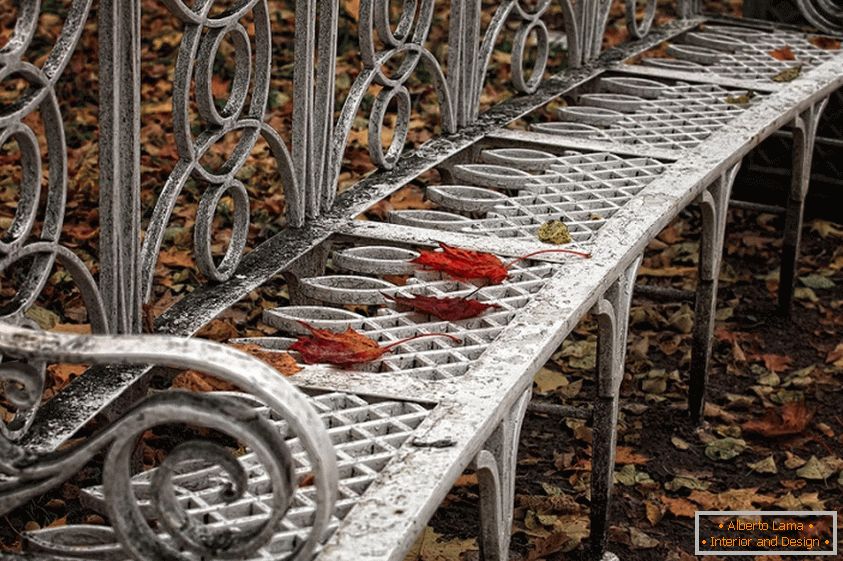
582	190
366	436
427	359
741	53
646	112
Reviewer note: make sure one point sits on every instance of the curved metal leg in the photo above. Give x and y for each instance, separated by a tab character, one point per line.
714	204
495	466
612	311
804	136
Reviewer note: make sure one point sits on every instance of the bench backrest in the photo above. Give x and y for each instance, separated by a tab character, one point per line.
440	52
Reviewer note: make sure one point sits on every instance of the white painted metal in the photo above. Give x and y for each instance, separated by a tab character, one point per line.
644	151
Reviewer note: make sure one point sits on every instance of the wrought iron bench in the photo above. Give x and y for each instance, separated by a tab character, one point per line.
355	464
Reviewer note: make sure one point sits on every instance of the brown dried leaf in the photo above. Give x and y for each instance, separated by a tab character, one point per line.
733	499
641	540
788	74
625	456
679	507
557	504
822	42
835	356
654	512
789	419
783	53
280	361
776	363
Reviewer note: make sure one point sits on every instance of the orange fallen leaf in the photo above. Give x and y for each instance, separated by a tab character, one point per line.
789	419
783	53
624	455
176	258
76	328
466	480
58	522
733	499
280	361
822	42
196	381
61	374
776	363
679	507
835	356
218	330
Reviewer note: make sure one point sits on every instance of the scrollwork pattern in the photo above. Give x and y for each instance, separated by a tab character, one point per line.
203	35
176	532
32	260
636	29
825	15
405	45
470	53
39	98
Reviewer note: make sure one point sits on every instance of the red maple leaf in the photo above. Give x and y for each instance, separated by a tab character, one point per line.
467	265
448	308
346	348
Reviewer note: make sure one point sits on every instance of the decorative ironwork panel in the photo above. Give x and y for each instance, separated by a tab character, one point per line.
39	100
176	530
199	125
27	260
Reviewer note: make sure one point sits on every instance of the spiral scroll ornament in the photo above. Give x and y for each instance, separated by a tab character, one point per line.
177	534
187	533
242	113
825	15
39	98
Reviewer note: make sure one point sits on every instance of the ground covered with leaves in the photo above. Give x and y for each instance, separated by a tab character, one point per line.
773	433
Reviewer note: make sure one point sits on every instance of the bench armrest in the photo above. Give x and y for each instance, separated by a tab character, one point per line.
26	477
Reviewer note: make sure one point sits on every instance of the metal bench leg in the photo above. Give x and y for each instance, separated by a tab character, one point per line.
612	311
804	136
714	204
495	466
